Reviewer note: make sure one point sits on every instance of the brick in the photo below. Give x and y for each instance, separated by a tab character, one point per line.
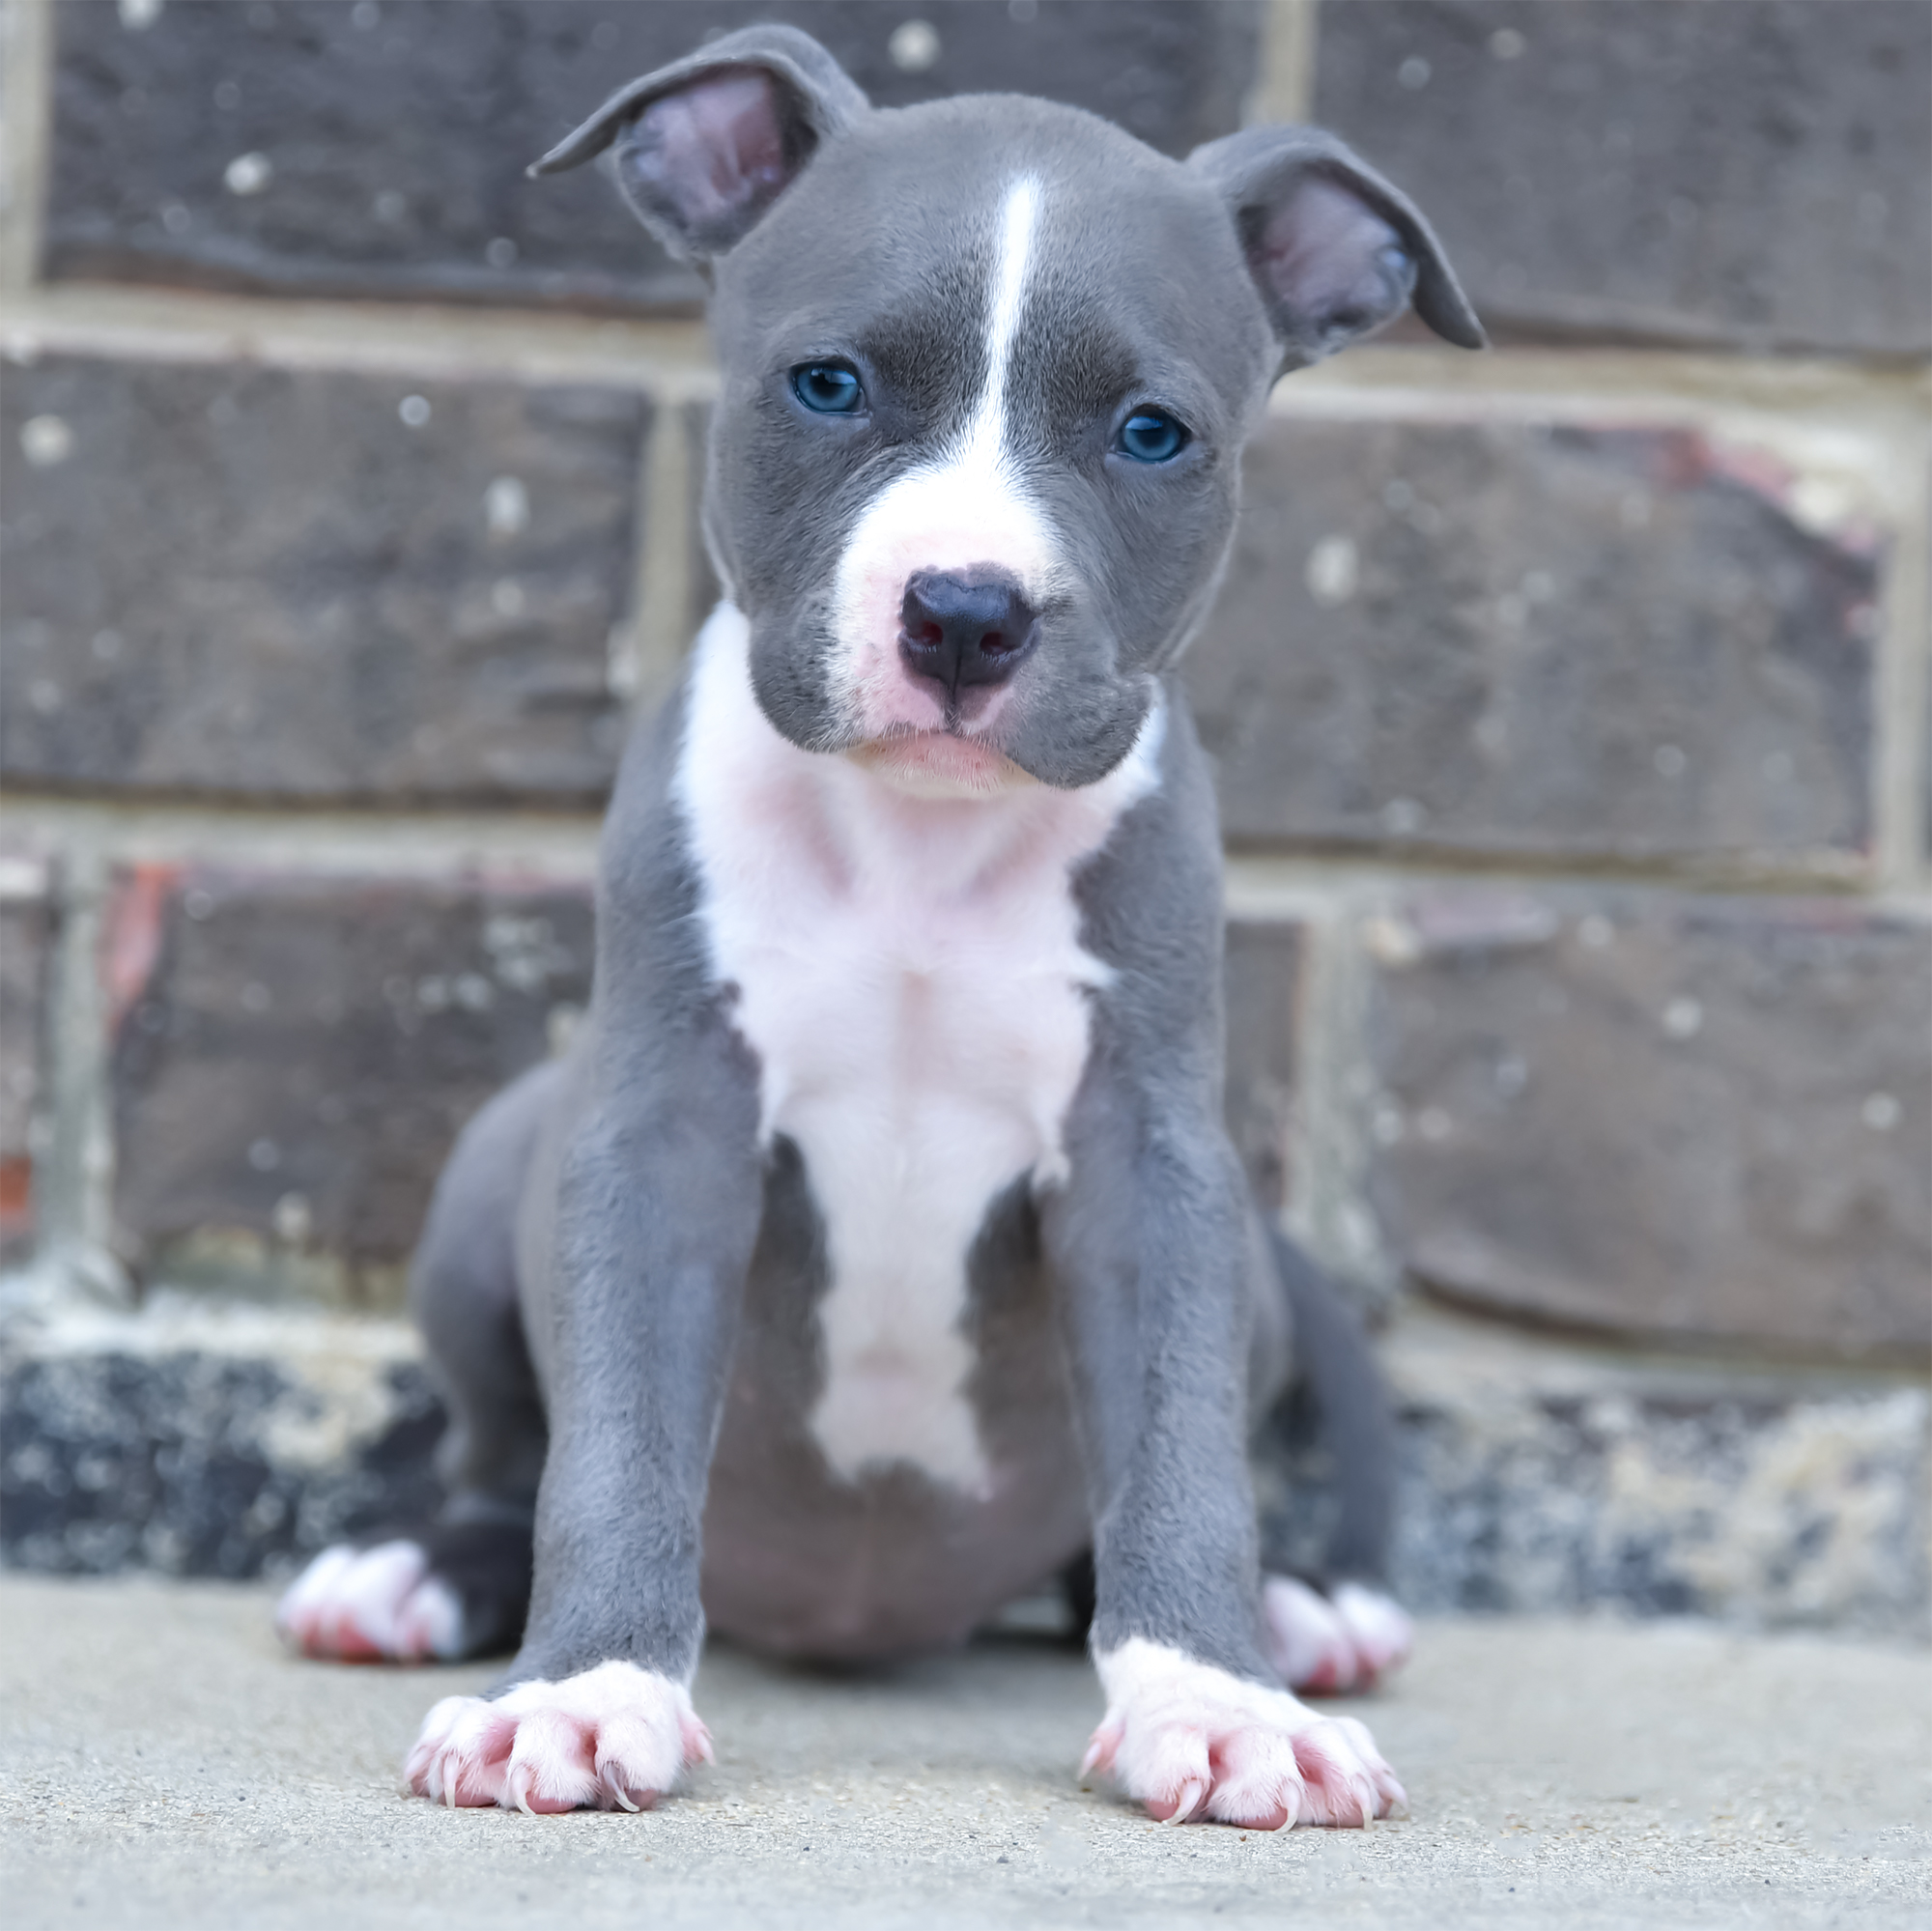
1691	1118
378	149
294	1056
26	937
1747	174
247	581
1548	641
1264	986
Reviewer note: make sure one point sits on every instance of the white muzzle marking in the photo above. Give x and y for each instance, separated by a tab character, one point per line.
967	508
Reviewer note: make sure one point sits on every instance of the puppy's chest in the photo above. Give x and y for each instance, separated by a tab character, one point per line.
925	1028
910	975
920	1037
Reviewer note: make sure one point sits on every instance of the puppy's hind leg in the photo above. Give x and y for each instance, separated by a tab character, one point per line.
1338	1628
459	1585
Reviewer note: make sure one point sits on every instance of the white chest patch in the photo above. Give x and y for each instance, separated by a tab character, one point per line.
911	978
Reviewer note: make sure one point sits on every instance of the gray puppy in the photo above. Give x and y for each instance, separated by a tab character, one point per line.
878	1248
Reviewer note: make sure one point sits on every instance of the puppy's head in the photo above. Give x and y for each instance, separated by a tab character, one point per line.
988	364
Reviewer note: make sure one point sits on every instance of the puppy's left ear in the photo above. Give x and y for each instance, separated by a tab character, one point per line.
705	147
1336	251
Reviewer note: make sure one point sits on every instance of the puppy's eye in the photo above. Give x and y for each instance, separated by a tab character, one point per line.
1152	435
828	388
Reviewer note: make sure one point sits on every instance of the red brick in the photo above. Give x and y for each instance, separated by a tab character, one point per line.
294	1056
1676	1115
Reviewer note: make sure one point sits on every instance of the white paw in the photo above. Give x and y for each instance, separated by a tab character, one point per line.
1379	1629
371	1605
612	1736
1332	1645
1187	1738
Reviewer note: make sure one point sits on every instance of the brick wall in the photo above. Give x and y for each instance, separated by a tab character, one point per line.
1569	704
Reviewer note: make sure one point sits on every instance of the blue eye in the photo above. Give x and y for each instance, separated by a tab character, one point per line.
828	388
1152	435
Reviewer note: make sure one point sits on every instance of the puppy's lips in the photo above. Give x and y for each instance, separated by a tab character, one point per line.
939	763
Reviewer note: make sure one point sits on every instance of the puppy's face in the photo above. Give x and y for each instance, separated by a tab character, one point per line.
987	368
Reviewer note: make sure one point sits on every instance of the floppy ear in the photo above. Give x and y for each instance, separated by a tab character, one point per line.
1335	250
705	146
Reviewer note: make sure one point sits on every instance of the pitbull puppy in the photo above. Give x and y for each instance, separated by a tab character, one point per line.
878	1247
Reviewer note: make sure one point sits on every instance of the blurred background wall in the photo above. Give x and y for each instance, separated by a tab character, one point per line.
1569	704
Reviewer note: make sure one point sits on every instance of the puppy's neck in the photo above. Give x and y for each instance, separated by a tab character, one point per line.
919	821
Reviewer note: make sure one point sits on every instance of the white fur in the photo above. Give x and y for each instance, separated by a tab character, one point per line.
371	1602
1308	1641
1332	1645
613	1737
1185	1736
911	978
968	506
1378	1628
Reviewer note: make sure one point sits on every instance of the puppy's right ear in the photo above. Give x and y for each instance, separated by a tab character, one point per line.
705	146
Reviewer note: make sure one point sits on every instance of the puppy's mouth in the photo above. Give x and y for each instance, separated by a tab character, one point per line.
939	763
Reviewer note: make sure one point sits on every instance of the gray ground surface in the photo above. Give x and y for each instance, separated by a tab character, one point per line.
165	1764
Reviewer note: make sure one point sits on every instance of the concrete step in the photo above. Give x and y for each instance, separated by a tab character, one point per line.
1539	1475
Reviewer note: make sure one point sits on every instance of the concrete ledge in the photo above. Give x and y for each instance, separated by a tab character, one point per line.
203	1441
1539	1476
1543	1475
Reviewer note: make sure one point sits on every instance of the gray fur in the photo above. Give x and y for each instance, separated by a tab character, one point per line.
784	493
659	1194
1154	1242
814	100
1399	259
464	1297
1130	1324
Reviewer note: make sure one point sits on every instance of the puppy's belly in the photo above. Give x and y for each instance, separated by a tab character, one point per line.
801	1563
808	1557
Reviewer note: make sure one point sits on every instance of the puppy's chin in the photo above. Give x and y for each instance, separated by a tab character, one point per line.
938	765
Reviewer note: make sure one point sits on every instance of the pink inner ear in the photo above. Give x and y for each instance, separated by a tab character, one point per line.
1321	252
716	146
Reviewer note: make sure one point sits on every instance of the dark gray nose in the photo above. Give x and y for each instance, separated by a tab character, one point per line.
962	631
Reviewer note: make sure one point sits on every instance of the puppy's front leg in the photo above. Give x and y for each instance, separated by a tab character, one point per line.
658	1208
1148	1242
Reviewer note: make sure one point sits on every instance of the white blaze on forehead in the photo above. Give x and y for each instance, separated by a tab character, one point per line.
1017	220
965	507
